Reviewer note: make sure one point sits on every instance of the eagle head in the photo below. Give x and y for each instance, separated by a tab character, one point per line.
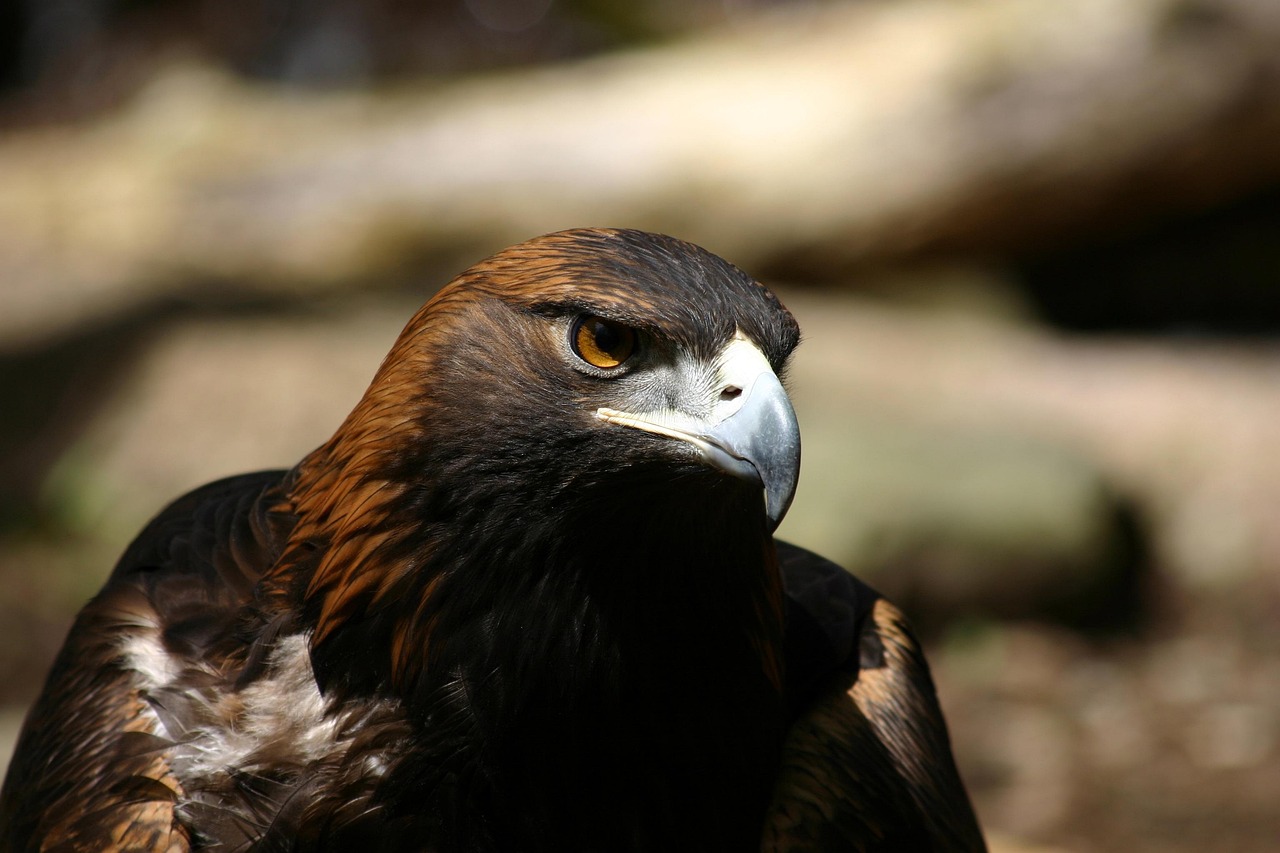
527	363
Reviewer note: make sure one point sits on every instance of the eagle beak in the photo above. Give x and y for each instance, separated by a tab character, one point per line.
751	432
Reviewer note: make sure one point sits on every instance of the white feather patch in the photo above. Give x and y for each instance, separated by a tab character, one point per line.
281	718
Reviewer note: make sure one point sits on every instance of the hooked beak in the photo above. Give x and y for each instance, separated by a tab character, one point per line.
751	433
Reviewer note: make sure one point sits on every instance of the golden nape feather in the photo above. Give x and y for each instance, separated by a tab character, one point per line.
527	597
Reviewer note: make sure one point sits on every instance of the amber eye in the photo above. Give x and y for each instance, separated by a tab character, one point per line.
602	343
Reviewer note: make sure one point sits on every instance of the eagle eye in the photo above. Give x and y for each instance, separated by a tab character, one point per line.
602	343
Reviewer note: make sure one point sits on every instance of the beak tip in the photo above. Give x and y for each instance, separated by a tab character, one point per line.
766	436
780	488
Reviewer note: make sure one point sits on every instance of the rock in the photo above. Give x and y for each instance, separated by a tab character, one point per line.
1095	440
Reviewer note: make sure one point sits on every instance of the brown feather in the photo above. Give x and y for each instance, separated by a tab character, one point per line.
868	766
125	796
478	618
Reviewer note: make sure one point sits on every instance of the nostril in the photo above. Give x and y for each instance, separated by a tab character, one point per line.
731	392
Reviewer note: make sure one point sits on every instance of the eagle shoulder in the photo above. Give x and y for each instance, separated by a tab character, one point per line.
867	763
93	767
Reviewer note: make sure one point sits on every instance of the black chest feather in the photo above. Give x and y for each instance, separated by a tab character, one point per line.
573	706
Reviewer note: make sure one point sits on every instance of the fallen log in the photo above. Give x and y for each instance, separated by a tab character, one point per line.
820	138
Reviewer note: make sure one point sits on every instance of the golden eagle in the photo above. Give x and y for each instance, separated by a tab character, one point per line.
526	598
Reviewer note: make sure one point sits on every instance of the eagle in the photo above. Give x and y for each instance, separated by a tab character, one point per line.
526	598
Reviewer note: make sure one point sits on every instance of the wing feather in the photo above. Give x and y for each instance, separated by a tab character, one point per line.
867	764
91	770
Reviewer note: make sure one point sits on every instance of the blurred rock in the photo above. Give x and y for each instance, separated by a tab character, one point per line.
214	397
1184	430
954	522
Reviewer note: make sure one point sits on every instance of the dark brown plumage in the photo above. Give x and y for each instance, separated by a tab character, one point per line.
526	598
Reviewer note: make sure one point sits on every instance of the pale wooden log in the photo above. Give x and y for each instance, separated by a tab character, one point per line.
823	137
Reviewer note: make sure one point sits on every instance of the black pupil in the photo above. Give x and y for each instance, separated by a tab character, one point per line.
607	338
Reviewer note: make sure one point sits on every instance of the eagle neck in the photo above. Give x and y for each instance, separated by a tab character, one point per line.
561	651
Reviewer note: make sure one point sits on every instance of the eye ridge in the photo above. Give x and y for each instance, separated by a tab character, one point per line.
603	344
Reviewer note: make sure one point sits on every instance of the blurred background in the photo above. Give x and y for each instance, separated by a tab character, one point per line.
1034	247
